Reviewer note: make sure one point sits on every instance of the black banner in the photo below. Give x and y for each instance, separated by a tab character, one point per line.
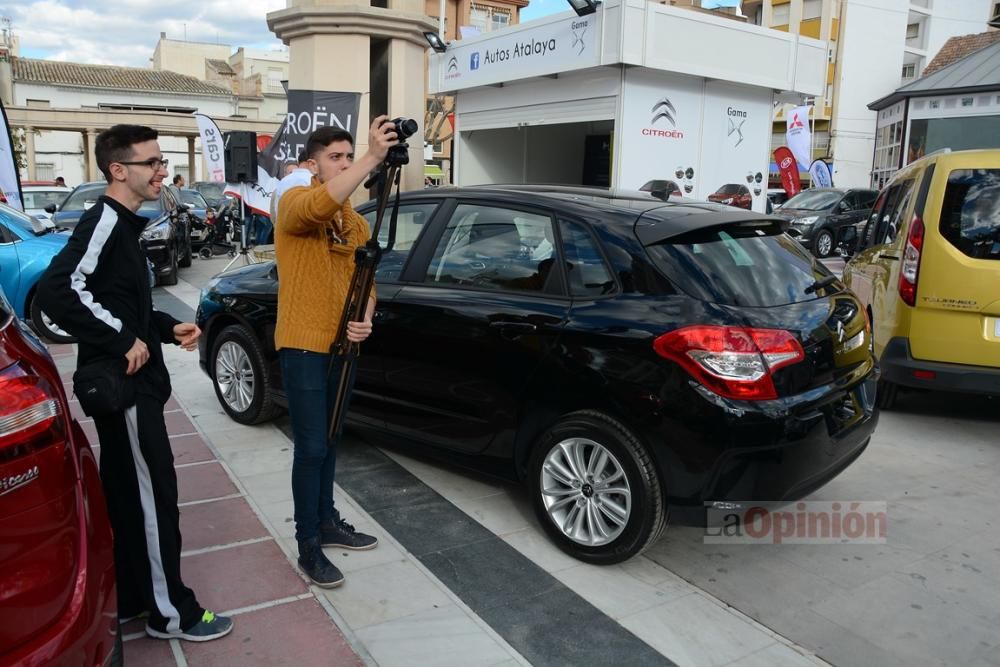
308	110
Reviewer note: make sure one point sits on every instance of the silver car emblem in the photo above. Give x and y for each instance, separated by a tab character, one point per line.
840	331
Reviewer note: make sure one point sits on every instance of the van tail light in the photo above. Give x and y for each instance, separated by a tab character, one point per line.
30	414
734	362
910	269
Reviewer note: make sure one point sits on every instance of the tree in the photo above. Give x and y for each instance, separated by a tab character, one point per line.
17	140
436	126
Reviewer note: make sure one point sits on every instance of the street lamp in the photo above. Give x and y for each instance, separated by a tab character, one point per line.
435	42
584	7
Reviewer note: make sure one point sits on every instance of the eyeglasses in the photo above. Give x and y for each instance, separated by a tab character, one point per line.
153	163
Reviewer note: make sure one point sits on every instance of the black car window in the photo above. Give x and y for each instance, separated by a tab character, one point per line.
970	214
83	197
495	248
586	270
891	216
868	236
409	222
749	264
867	198
850	202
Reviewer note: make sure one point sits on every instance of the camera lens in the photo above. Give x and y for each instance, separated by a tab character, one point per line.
405	127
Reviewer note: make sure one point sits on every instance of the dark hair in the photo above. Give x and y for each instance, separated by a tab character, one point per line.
177	177
60	179
303	156
325	136
115	145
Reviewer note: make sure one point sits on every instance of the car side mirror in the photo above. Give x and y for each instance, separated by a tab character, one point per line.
848	241
50	209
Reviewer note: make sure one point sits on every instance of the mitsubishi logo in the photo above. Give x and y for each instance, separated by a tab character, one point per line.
453	64
738	129
795	122
578	38
664	109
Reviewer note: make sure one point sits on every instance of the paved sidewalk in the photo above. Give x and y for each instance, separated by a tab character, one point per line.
234	565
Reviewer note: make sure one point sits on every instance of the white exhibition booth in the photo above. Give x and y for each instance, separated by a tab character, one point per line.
634	93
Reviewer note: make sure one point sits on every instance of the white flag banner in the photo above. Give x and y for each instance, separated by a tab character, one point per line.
255	196
797	135
211	148
9	181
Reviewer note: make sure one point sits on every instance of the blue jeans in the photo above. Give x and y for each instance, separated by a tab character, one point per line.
311	388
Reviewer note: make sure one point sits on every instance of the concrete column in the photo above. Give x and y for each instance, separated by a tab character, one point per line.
192	169
93	173
29	151
406	65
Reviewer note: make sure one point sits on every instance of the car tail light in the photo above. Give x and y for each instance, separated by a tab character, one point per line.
734	362
30	414
910	269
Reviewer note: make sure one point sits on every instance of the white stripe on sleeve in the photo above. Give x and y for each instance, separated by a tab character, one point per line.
78	279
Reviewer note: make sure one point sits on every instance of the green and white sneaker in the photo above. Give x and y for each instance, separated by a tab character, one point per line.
208	628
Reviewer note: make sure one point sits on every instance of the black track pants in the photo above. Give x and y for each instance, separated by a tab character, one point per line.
137	468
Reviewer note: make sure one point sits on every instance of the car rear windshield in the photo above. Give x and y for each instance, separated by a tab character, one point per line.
970	214
813	200
751	264
83	197
41	198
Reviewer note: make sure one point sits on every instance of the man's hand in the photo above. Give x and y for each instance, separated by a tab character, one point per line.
358	331
137	357
381	137
186	334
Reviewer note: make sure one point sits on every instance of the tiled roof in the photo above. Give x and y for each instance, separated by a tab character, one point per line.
29	70
957	48
220	66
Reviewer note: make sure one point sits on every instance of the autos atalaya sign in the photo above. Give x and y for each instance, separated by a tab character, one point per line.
514	54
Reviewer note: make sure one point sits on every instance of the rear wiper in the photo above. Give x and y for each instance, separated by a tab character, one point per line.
821	283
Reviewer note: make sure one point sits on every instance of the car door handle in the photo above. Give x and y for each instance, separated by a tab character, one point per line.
512	330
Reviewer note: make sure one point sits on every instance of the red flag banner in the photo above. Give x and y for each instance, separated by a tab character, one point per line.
789	170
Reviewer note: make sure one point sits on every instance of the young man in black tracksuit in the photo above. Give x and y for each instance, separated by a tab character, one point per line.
98	289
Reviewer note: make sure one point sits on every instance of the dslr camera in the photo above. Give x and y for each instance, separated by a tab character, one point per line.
404	129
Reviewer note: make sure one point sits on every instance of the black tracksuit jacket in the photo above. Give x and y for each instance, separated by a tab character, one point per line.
97	289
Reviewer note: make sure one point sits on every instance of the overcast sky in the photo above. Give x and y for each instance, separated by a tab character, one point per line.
124	32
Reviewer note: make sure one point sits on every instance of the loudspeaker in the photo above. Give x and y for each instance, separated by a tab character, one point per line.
240	152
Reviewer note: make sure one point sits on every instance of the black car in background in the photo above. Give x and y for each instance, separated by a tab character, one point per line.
166	239
818	216
626	358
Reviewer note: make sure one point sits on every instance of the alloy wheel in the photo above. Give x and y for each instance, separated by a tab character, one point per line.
234	376
824	244
585	491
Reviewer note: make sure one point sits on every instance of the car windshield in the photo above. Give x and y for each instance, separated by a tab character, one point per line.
83	197
814	200
750	264
39	199
22	223
729	189
210	190
194	198
150	208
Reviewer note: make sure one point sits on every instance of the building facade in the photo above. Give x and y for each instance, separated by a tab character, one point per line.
874	47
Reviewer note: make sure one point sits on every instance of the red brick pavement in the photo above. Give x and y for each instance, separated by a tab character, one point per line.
234	565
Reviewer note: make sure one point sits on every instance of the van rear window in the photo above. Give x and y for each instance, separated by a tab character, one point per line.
970	215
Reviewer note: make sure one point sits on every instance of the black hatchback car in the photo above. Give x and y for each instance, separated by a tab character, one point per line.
626	358
818	216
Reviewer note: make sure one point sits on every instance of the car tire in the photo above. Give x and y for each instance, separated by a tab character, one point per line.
45	327
240	377
887	393
608	525
823	243
170	278
205	252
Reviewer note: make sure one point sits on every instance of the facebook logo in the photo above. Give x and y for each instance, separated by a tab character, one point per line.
474	60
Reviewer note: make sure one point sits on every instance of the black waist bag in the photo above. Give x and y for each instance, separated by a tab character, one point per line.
103	388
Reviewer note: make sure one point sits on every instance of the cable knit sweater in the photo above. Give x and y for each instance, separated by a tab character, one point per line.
315	258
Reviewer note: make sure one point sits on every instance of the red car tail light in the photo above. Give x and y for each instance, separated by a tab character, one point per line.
30	414
734	362
910	268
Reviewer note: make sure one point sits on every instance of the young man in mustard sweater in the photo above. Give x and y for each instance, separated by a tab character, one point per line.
316	234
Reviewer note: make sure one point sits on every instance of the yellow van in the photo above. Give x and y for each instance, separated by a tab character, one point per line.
928	270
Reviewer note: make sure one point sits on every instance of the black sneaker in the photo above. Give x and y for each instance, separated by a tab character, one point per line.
314	563
208	628
342	534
